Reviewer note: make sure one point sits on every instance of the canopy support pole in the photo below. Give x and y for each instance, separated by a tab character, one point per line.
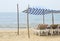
52	22
28	23
43	19
52	18
17	19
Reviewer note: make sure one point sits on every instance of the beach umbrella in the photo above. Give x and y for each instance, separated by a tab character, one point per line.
17	19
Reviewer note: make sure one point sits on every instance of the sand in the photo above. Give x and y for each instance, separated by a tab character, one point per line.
11	35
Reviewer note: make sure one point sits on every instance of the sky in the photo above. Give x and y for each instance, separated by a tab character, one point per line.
10	5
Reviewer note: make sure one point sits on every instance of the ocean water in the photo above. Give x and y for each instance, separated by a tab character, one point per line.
9	19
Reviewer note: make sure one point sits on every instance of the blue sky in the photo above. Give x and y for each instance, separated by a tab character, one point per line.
10	5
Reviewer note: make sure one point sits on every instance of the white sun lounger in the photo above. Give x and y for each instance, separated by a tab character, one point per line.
40	32
37	32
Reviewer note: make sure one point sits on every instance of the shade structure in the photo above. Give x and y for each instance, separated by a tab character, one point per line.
41	11
37	11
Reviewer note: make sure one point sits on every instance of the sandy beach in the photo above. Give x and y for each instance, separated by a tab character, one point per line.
11	35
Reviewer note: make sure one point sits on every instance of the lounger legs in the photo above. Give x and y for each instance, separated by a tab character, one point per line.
58	31
45	32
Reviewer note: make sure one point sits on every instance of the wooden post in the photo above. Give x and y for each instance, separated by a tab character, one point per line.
52	23
28	22
43	17
17	19
52	18
58	30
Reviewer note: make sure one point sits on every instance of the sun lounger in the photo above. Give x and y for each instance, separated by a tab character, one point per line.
36	31
54	29
43	29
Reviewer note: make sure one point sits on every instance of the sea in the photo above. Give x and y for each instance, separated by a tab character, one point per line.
9	19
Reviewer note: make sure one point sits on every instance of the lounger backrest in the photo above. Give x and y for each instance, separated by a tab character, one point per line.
42	26
54	26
